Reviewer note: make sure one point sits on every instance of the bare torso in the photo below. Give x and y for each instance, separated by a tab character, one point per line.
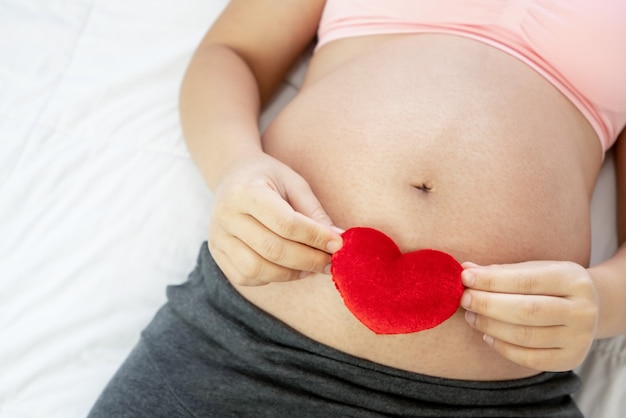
441	142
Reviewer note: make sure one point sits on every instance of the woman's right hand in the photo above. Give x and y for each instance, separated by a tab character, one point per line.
268	226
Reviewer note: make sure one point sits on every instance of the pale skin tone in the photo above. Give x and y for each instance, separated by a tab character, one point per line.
268	226
545	315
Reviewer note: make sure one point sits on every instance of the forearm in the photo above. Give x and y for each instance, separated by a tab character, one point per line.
219	109
610	280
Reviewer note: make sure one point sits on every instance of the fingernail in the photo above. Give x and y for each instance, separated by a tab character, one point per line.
470	317
468	278
466	300
333	246
488	339
327	268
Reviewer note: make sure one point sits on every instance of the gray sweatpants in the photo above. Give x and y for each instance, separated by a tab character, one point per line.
210	353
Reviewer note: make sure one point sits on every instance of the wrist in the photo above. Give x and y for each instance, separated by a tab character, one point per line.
216	170
610	282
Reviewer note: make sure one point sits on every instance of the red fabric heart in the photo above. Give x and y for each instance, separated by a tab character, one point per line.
391	292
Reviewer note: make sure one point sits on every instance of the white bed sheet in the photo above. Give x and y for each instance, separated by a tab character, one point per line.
101	207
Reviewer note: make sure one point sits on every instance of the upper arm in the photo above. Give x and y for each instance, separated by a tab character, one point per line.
620	167
268	35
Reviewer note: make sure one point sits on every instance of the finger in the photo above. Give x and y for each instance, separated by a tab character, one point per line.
534	310
542	359
555	279
248	268
521	335
278	216
278	250
227	267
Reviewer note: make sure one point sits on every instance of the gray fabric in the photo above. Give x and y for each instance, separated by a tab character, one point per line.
210	353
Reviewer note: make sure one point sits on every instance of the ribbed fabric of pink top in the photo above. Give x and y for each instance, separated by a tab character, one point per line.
577	45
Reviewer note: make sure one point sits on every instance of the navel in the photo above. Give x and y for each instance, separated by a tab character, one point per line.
424	187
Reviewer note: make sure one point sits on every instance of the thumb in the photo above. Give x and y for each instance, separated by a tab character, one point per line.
308	205
303	200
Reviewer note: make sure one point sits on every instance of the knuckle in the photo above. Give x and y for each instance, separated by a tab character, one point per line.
250	268
579	280
237	191
319	215
527	335
527	284
319	262
488	281
583	285
225	199
316	238
574	267
221	260
578	309
585	317
257	271
287	276
529	310
220	210
215	232
273	249
288	225
278	274
480	303
244	281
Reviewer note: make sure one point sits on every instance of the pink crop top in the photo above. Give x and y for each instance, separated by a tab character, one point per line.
577	45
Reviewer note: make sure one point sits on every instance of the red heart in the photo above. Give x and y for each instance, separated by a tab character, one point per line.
391	292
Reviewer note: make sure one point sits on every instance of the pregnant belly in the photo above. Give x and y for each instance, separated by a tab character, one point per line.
440	142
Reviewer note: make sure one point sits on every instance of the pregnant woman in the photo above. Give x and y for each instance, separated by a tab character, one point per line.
477	128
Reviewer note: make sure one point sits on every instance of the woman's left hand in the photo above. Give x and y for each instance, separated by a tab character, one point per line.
540	314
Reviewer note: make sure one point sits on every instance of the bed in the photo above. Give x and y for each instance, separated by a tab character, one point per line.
101	206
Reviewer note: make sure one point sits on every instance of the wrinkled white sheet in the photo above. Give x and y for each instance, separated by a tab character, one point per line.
101	207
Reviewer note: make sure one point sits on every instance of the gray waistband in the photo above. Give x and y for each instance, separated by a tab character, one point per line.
225	335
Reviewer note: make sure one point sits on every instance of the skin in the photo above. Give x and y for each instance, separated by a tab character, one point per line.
543	314
269	226
255	195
